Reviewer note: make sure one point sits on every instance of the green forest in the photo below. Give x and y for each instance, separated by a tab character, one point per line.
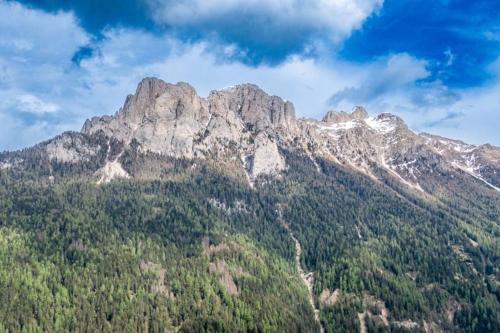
198	250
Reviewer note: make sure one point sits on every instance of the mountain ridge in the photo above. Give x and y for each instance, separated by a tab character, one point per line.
243	123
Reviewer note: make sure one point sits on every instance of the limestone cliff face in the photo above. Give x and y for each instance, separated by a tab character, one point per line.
162	117
68	148
257	108
172	119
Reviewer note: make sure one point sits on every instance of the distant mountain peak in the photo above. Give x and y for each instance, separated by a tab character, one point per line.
358	112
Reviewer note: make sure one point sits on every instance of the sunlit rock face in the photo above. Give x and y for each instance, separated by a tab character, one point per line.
172	119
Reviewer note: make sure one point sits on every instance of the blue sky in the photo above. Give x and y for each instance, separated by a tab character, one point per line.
434	63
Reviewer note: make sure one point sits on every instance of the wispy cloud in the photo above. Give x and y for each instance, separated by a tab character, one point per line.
450	57
32	104
386	75
450	119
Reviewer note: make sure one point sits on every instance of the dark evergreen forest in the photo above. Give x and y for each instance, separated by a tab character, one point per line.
198	250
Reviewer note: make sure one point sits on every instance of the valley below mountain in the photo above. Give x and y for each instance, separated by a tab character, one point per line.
181	213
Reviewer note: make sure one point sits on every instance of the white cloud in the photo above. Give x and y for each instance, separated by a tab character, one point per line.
38	35
36	50
480	122
36	78
389	74
16	134
32	104
394	83
400	84
337	18
450	57
194	63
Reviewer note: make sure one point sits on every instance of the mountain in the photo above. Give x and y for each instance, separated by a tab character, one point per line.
227	213
244	124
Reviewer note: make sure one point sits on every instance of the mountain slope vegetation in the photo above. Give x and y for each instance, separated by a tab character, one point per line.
94	255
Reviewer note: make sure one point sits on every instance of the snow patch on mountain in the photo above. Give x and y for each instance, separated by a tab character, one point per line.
380	125
410	167
391	169
313	160
339	126
471	170
458	146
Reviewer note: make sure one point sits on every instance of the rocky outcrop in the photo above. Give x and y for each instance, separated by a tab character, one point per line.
159	286
266	156
220	268
171	119
110	171
70	148
162	117
329	298
255	108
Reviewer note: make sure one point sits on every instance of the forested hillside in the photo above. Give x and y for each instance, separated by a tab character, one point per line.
198	249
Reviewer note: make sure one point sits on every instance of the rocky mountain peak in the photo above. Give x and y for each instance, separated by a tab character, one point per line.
153	95
149	88
358	112
336	117
156	100
171	119
256	107
392	120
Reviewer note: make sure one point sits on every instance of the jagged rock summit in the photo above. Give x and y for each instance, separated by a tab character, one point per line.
358	112
172	119
159	114
162	117
244	128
